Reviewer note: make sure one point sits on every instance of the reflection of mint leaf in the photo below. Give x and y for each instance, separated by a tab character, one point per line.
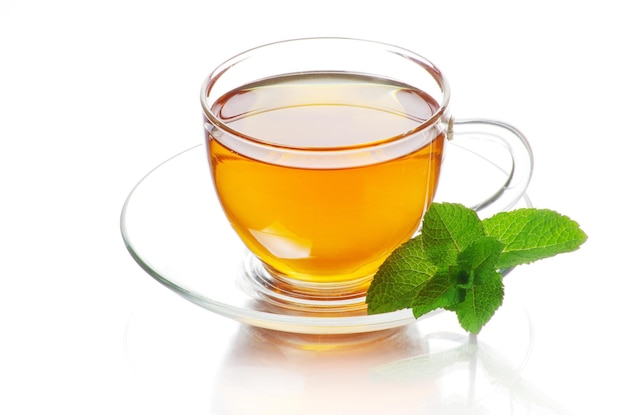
454	264
533	234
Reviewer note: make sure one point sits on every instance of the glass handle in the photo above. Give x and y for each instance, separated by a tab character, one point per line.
521	167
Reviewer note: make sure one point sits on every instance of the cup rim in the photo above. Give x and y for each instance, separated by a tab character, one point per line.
425	63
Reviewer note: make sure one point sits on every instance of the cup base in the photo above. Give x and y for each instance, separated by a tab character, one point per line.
303	297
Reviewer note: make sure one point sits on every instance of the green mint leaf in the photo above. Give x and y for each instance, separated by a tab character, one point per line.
454	263
532	234
447	229
440	291
481	254
481	301
481	286
400	278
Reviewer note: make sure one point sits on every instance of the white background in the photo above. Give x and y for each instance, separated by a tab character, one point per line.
93	94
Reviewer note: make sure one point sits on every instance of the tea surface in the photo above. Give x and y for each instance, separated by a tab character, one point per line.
324	110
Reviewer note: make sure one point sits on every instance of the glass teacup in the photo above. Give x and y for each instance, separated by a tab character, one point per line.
325	154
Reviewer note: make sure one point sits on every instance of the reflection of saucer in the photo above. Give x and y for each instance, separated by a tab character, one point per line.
174	228
208	364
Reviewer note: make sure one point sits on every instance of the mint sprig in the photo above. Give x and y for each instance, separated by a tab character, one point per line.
456	262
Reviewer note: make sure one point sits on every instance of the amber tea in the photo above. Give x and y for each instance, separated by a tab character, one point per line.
331	221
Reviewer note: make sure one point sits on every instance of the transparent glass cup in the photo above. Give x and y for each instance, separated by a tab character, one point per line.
325	154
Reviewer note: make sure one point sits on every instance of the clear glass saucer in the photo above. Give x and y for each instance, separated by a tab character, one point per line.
173	226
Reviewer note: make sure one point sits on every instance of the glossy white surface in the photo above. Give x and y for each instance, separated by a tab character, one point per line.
95	94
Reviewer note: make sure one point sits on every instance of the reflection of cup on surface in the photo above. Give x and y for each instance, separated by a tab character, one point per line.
282	373
325	154
430	368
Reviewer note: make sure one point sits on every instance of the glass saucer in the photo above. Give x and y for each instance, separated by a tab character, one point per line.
173	226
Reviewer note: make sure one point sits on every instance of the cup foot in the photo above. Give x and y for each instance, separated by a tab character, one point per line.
300	297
